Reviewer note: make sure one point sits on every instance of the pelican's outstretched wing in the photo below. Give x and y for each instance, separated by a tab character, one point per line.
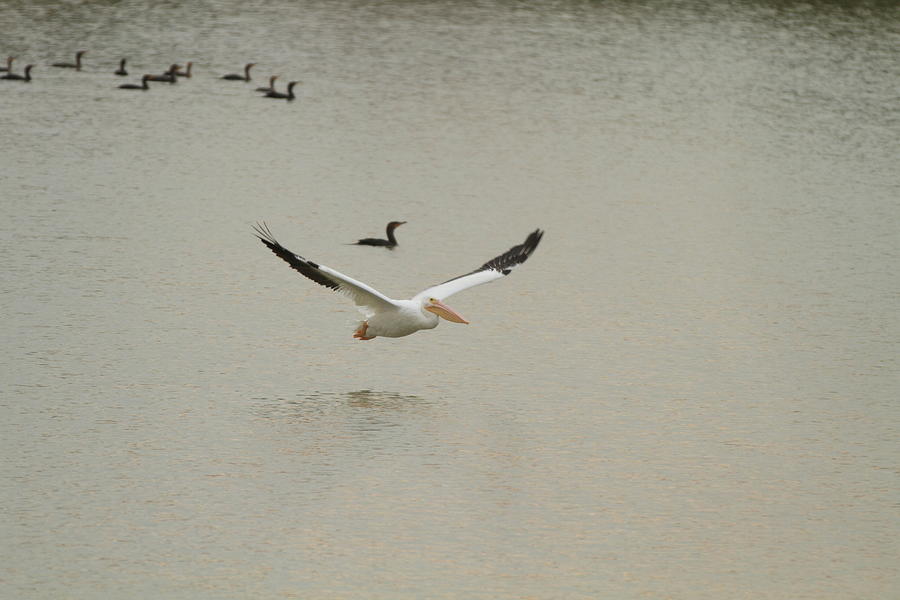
493	269
362	294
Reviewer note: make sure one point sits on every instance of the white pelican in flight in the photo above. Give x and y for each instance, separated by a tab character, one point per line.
387	317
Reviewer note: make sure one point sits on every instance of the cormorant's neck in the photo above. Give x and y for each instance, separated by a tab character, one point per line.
390	234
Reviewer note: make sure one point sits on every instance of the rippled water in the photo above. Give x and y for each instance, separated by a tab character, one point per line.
689	391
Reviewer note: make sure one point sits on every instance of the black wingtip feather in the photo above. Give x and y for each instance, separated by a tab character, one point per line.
515	255
303	266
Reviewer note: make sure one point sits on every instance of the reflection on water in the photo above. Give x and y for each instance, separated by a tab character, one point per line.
390	400
315	406
688	392
366	424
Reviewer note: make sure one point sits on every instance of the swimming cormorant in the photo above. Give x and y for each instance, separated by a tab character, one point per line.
16	77
76	65
187	70
271	87
134	86
290	92
390	242
168	76
244	77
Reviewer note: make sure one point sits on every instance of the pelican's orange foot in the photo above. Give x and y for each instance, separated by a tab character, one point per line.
360	333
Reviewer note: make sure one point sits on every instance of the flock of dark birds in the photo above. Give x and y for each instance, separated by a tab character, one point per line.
169	76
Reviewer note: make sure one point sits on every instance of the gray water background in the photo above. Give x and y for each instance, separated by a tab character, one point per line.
690	391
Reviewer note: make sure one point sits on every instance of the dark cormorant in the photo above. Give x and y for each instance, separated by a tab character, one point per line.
76	65
390	242
15	77
187	70
168	76
236	77
271	87
290	92
134	86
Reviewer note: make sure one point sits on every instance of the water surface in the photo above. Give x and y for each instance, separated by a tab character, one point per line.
688	392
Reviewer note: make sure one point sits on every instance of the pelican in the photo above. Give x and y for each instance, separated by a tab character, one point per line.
387	317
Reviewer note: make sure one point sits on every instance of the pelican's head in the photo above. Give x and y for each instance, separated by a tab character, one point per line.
437	307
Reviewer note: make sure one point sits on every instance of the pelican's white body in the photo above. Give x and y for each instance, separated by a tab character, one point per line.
406	317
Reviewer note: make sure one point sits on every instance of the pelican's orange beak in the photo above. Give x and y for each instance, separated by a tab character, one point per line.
445	312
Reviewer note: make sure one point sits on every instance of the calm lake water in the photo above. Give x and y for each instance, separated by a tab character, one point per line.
690	391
